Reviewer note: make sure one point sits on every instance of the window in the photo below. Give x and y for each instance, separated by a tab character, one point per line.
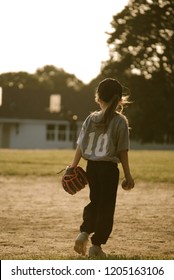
61	132
50	133
56	132
55	103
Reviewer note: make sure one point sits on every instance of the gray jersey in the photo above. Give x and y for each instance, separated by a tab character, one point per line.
103	146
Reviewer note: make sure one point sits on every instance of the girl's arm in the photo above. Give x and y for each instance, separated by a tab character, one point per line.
125	164
77	157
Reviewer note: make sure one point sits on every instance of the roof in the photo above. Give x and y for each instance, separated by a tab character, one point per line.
25	104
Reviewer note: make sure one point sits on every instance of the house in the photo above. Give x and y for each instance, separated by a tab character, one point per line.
40	119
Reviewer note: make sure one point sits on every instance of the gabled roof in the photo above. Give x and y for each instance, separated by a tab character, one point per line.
25	104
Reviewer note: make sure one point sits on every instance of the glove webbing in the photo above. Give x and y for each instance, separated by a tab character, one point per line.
74	182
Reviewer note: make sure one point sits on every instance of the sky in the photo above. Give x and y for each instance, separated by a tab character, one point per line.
69	34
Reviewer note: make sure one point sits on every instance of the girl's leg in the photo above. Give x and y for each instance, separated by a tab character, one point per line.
90	211
108	181
98	214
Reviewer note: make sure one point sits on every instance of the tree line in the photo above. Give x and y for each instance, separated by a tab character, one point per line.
141	57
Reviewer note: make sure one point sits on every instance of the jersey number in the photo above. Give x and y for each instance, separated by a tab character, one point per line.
100	149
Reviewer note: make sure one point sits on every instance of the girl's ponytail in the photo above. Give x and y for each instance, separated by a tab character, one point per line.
110	91
110	111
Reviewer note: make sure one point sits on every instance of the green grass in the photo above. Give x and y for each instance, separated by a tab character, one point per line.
33	162
153	166
149	166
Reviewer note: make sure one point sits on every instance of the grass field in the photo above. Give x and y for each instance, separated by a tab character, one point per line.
38	220
148	166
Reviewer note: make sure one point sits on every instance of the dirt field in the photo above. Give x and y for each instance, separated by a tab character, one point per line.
38	220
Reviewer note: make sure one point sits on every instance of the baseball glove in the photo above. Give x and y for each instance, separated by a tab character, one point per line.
74	179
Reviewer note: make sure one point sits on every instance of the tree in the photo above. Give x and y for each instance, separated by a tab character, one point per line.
19	80
48	78
56	79
143	37
141	49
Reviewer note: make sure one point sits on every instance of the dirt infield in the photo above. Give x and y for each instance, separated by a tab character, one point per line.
38	220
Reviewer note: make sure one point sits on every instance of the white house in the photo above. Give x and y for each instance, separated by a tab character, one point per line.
36	121
37	134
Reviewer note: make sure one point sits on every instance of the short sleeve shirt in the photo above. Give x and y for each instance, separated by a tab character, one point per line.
104	146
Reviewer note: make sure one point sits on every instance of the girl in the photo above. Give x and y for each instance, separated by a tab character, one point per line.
103	142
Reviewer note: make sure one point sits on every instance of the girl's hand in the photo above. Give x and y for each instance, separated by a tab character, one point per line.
128	183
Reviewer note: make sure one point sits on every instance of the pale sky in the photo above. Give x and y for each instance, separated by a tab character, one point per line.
68	34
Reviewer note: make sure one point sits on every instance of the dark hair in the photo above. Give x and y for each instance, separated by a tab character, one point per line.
109	88
110	91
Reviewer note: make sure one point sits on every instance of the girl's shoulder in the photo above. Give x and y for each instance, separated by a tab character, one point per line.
92	118
120	117
96	116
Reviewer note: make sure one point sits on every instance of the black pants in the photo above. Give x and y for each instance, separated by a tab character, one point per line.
98	215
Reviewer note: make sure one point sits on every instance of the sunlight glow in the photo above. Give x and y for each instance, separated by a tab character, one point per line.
68	34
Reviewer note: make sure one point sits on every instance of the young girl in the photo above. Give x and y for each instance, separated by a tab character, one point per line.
103	142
